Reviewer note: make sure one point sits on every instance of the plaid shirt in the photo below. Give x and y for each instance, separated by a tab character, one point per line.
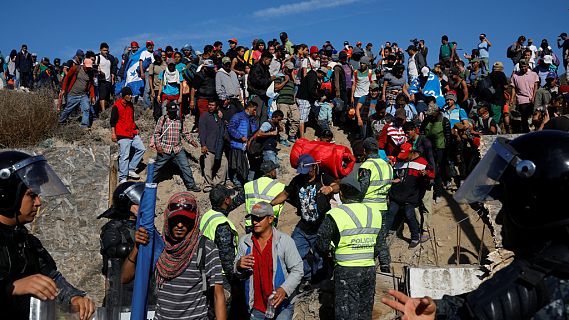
168	134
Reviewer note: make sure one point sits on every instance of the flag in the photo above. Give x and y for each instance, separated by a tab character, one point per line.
432	88
132	74
147	254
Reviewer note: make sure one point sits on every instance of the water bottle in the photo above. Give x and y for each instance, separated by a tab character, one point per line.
270	312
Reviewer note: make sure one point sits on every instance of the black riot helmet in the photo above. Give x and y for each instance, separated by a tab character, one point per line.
125	195
20	171
530	176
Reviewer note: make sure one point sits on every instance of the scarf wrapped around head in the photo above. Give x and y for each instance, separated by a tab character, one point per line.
177	255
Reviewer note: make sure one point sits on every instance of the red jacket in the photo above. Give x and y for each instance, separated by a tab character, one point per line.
390	139
70	79
122	119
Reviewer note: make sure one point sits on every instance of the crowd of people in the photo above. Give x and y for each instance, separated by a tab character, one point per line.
414	130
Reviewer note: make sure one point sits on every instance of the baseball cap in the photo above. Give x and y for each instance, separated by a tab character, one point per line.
370	143
262	209
79	53
225	60
346	43
208	63
232	40
498	65
373	86
364	60
305	161
313	49
268	166
182	204
157	54
149	43
548	59
283	35
405	149
134	44
88	63
551	75
425	71
186	47
289	65
411	47
564	34
358	43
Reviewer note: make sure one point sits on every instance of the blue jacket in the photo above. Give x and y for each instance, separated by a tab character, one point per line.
241	125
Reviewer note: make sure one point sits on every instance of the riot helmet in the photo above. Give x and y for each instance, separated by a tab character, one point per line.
125	195
530	176
20	171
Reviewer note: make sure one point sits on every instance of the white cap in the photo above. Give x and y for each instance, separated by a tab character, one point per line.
425	71
548	59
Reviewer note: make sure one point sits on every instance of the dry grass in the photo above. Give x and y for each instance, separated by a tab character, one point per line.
26	118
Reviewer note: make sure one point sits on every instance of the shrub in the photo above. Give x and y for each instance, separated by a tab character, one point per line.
26	118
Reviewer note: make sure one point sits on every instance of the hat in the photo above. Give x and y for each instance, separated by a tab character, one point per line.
79	53
450	95
405	149
425	71
283	35
268	166
548	59
358	43
324	70
364	60
313	49
342	55
411	47
186	47
432	109
170	61
332	64
305	161
88	63
134	44
346	43
157	54
182	204
350	186
208	63
126	91
564	34
232	40
400	113
149	43
289	65
373	86
523	62
551	75
370	143
262	209
498	66
225	60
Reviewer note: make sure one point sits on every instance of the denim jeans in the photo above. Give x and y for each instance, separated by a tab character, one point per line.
125	161
306	245
409	210
285	314
72	103
146	94
270	155
181	161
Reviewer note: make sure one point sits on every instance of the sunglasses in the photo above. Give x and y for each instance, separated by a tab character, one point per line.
257	219
191	207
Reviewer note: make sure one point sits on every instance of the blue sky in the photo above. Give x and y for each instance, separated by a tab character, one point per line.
57	28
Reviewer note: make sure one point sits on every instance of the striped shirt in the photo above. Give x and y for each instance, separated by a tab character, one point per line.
182	297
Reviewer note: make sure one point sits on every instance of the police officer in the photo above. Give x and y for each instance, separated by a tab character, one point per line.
354	230
530	176
117	240
375	177
266	188
215	226
26	268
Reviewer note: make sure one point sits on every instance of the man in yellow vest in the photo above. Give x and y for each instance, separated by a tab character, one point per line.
354	231
375	176
215	226
266	188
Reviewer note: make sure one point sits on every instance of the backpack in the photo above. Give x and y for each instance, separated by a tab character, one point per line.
488	125
313	113
485	88
511	52
446	50
189	73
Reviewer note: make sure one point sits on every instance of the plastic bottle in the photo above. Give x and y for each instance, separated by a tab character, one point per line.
270	312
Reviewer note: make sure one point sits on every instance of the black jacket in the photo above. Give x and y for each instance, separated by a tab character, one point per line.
308	89
205	85
22	255
259	80
24	62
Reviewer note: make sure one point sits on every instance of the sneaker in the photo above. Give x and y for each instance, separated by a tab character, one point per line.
413	244
133	174
284	143
194	188
207	189
424	238
123	181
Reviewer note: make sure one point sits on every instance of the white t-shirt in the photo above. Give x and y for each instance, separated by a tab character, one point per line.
105	67
145	55
363	82
533	52
412	68
310	64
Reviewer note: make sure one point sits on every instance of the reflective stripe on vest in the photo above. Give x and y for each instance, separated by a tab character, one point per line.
357	241
211	220
380	181
269	192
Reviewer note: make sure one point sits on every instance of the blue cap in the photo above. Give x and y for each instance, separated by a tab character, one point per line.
305	161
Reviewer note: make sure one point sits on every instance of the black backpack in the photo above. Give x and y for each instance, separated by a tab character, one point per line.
511	52
485	88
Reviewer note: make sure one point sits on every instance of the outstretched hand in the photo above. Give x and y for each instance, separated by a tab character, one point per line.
412	308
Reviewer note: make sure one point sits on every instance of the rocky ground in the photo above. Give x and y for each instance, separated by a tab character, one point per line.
453	226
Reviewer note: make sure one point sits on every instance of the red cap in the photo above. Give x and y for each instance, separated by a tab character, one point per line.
134	44
359	42
405	149
182	204
313	49
232	40
149	42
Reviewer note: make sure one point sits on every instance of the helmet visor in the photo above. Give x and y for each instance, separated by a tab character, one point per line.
134	192
37	175
487	173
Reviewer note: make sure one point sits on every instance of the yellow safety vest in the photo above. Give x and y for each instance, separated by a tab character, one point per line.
262	189
358	227
379	182
209	222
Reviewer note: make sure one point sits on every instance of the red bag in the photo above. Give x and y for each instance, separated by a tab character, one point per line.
336	160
